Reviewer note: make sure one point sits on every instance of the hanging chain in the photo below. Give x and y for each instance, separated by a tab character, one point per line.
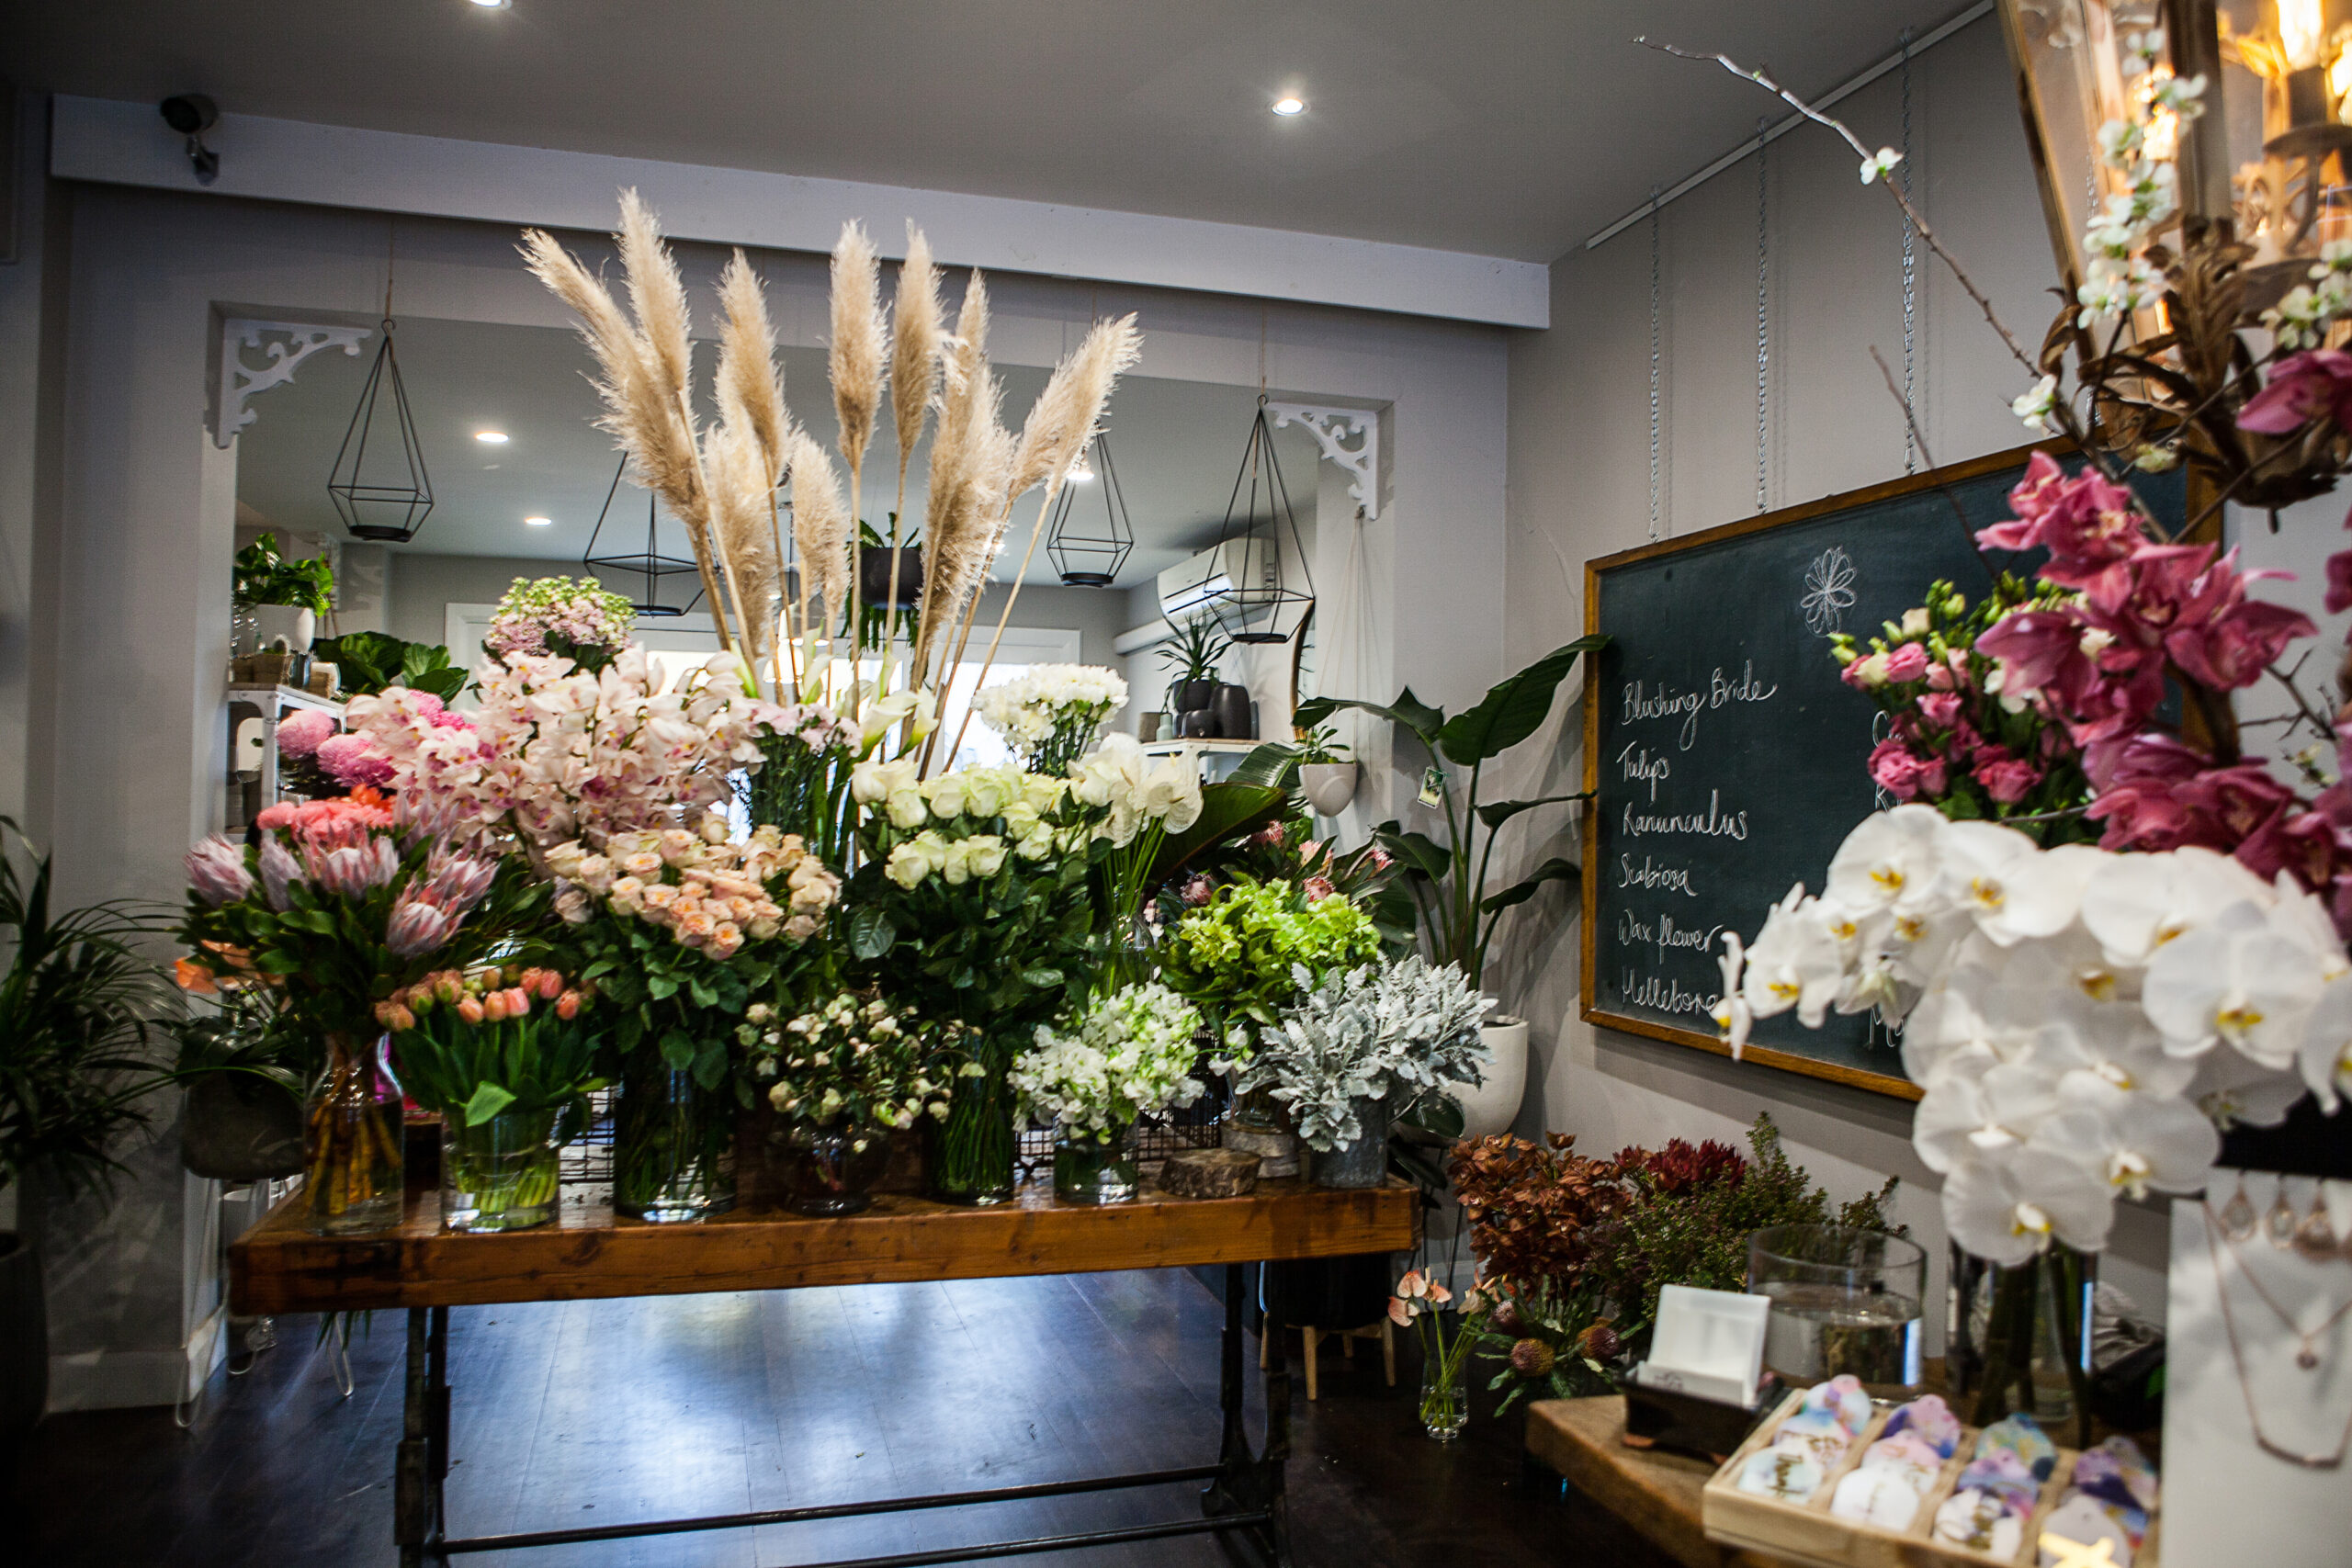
1656	531
391	245
1763	285
1910	279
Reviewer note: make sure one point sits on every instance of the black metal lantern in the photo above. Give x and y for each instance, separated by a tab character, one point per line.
649	565
387	502
1254	606
1089	550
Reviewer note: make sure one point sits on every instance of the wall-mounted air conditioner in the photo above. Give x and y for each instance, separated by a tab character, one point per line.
1192	588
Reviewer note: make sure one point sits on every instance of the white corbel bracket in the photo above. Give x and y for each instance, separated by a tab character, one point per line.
284	346
1332	429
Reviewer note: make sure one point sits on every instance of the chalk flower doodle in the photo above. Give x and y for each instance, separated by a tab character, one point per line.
1828	591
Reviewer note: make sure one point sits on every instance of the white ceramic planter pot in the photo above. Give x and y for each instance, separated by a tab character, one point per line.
1328	785
1492	1106
291	622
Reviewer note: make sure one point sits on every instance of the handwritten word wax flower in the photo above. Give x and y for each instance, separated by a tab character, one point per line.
572	617
2083	1023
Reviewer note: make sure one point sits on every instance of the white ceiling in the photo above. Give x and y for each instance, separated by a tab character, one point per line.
1508	127
1177	445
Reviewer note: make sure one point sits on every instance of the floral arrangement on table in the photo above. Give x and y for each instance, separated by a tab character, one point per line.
1145	806
802	783
1959	739
341	904
1424	1305
1575	1250
508	1056
974	902
843	1075
1124	1055
1239	957
1051	713
1362	1045
565	617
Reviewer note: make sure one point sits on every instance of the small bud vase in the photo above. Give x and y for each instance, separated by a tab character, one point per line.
1095	1168
498	1175
1445	1396
354	1164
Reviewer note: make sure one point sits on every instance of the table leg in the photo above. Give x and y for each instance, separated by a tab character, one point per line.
422	1460
1252	1483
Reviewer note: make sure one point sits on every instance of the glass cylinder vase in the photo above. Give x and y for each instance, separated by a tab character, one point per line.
355	1169
500	1174
969	1154
1364	1163
828	1168
673	1146
1445	1395
2018	1337
1845	1301
1096	1168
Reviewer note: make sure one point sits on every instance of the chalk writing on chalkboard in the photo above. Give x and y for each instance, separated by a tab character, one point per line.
1727	760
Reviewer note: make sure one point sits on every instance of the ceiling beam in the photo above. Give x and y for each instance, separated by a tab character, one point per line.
117	143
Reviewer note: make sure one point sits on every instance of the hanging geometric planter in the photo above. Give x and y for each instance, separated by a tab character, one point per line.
378	484
1089	550
649	566
1257	607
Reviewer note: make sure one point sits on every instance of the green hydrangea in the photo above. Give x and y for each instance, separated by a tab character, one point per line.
1233	957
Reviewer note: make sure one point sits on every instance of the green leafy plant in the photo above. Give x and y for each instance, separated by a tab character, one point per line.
264	576
75	1001
1448	881
1194	652
1238	956
366	662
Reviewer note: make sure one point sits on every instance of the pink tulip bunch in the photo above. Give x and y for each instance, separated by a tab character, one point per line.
492	995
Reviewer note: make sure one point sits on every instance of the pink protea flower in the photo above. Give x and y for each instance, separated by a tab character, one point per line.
216	869
1317	888
299	734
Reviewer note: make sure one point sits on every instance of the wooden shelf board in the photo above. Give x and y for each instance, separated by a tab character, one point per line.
277	1266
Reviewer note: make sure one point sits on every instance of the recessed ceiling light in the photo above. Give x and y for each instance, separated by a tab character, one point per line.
494	5
490	437
1288	106
540	522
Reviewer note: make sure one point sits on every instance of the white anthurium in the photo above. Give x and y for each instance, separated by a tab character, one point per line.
2236	978
2136	903
1888	861
2007	1211
2135	1142
2325	1058
2231	1091
1795	962
2007	884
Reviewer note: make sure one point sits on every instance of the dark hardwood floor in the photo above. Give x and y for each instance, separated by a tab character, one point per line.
606	1412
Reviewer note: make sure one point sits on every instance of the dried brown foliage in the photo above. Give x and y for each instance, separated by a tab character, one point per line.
1535	1211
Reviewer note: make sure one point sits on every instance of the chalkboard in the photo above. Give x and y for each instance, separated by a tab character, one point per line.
1729	762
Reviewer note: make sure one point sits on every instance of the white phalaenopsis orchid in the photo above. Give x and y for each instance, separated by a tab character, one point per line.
2082	1023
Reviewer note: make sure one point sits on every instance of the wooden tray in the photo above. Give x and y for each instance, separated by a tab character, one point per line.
1809	1533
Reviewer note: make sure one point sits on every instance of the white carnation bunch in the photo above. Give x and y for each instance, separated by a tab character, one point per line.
2083	1023
1049	713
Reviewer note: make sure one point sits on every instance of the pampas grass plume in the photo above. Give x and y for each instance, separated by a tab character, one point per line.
856	351
1063	418
916	337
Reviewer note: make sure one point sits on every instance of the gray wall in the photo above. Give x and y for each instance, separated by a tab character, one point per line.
1579	487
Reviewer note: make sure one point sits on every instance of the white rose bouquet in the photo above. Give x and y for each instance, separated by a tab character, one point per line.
1050	714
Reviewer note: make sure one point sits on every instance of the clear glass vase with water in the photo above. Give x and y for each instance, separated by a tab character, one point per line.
1843	1301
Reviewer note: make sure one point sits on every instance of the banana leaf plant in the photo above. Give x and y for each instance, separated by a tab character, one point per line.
1448	881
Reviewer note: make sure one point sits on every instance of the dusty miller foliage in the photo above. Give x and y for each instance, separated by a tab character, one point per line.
1372	1032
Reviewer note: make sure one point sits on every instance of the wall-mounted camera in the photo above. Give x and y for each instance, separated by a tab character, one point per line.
191	114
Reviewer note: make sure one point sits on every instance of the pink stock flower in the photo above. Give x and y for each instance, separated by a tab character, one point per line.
1907	663
2009	779
216	868
299	734
2302	388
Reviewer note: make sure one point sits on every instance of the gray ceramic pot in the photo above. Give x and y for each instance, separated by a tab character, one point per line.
241	1127
1194	696
24	1342
1236	719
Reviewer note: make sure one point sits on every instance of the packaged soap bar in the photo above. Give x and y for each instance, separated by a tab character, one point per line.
1878	1494
1843	1400
1982	1520
1929	1419
2020	1435
1789	1474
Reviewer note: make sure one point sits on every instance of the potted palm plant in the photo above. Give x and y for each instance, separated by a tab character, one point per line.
1191	658
1457	914
75	998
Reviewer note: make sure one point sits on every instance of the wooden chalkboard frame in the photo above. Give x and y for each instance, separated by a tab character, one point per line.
1786	1061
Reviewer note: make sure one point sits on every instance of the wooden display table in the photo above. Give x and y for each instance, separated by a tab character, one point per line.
277	1266
1654	1492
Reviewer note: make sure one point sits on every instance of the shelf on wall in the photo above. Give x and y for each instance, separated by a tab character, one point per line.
289	697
